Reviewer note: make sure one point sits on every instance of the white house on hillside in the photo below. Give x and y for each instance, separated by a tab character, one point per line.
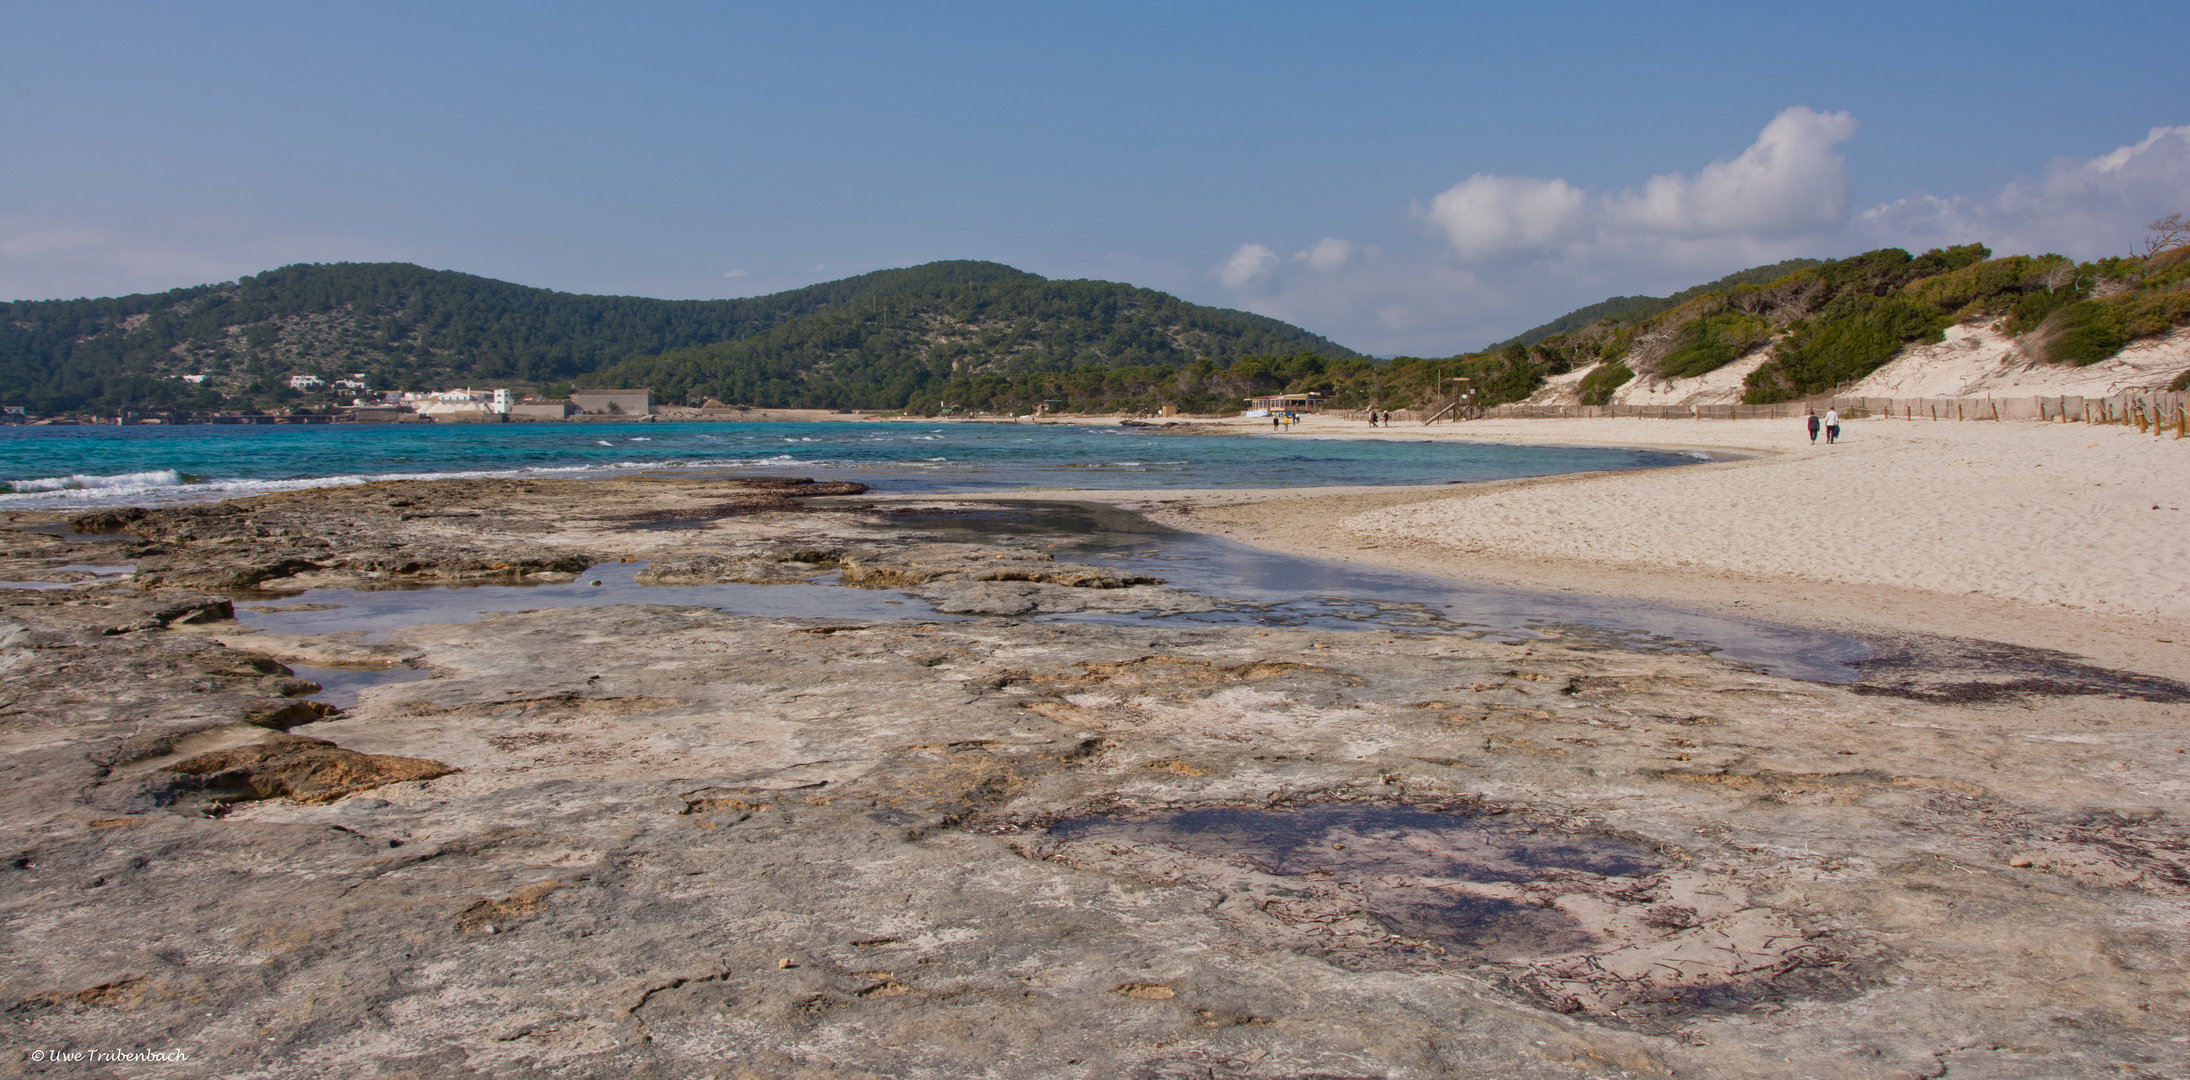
306	382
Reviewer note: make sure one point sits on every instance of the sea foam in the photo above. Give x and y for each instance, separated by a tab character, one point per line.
136	481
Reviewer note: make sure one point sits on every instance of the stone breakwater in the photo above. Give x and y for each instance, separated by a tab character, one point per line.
669	840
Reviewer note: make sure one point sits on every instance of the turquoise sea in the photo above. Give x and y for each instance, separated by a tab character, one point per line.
65	467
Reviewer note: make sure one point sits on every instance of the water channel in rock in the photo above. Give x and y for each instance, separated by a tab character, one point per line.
1281	589
1258	587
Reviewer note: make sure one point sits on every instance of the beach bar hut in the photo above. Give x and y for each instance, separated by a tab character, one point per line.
1283	403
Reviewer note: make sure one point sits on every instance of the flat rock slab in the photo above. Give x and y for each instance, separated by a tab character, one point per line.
655	840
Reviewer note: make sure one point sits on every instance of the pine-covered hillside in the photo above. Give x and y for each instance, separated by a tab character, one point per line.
876	340
1004	343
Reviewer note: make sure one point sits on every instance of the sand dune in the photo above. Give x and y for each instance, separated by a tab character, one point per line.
1977	361
1974	361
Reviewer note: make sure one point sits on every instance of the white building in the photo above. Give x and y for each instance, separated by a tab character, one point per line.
462	404
444	397
305	382
192	379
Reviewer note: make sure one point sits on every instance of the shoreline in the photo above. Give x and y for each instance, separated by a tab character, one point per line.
1433	528
81	475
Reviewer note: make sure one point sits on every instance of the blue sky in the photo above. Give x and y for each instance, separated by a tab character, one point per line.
1401	177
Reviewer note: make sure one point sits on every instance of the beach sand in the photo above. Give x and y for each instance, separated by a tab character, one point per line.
2065	536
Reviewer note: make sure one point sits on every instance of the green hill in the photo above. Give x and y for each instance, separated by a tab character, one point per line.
986	345
879	340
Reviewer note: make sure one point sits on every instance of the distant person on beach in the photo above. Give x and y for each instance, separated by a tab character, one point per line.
1832	425
1813	426
1372	417
1273	421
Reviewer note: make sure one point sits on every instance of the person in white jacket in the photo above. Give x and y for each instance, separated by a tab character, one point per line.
1832	425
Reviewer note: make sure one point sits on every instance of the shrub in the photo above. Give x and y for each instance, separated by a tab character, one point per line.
1947	260
1511	380
1855	336
1974	289
2034	309
1598	385
2085	332
1709	344
2149	314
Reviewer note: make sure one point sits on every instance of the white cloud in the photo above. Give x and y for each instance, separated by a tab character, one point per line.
1327	254
1487	217
735	273
1788	183
1249	265
2085	207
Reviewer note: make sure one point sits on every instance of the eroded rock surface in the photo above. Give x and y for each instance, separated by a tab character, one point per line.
421	532
653	840
294	767
973	579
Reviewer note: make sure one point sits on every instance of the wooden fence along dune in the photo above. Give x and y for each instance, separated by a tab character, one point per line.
2153	412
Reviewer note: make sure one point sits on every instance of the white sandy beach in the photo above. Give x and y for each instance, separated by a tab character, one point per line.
2064	535
2061	514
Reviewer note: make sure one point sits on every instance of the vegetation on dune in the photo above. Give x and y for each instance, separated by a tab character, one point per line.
1709	342
1596	387
1829	324
2078	313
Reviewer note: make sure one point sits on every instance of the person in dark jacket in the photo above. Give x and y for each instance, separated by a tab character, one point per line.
1814	425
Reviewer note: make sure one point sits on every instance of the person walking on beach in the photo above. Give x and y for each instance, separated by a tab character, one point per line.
1813	427
1832	426
1273	423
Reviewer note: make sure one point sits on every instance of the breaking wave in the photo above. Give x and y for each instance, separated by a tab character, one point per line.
136	481
172	485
